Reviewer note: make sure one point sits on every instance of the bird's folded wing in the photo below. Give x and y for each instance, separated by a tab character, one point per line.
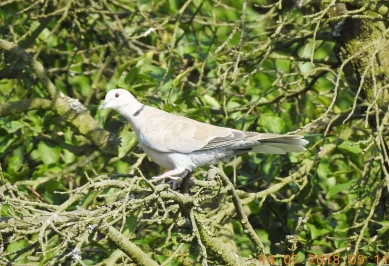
170	133
165	132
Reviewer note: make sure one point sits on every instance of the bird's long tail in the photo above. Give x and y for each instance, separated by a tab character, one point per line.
280	144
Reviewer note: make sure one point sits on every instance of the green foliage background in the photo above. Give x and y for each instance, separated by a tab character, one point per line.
261	66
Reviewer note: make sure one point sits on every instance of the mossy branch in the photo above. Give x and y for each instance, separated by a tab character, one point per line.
129	248
24	106
80	118
215	246
243	219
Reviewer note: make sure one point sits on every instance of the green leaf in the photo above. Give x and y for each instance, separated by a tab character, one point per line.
15	162
81	83
271	123
122	68
344	146
131	223
175	108
208	99
313	231
17	245
146	59
143	82
128	142
121	167
89	262
131	75
13	126
48	154
339	188
42	169
5	210
245	123
68	157
155	72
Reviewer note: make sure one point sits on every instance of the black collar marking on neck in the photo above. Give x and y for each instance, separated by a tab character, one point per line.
139	111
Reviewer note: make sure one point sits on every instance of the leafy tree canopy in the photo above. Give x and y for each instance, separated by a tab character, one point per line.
74	186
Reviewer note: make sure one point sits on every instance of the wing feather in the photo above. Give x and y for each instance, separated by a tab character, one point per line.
170	133
167	132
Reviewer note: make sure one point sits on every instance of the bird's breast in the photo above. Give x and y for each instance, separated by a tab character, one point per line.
160	158
210	157
190	161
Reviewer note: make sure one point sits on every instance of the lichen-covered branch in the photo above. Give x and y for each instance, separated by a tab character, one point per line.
244	221
80	120
129	248
24	106
215	246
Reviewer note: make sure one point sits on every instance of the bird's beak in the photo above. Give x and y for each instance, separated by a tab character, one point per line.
102	106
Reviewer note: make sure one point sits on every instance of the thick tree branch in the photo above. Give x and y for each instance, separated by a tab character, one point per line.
216	247
24	106
79	119
129	248
243	219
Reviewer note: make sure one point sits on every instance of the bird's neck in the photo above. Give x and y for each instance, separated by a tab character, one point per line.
132	112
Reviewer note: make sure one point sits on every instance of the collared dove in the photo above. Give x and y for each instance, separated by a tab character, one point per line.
181	144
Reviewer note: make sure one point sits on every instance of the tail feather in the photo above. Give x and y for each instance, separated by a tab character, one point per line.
281	144
262	148
301	142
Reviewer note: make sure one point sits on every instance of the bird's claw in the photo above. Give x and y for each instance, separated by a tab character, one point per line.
175	181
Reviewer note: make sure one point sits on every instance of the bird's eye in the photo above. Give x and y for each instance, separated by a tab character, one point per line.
116	95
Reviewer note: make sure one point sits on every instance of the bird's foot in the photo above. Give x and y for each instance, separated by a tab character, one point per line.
163	177
175	181
174	174
156	179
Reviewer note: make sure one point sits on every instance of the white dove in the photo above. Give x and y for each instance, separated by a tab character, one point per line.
181	144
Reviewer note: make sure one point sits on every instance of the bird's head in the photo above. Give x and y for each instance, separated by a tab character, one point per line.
117	99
